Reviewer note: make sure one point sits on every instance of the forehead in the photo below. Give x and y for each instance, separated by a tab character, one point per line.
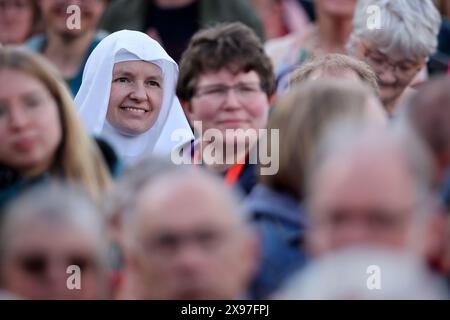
225	76
370	182
43	235
194	208
18	82
137	67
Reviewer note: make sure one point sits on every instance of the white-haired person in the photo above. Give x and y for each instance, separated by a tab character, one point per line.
397	45
48	236
127	96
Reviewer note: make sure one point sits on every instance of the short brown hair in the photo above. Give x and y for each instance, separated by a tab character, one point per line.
335	64
233	46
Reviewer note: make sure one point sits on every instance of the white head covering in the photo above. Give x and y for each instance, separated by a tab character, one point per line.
93	96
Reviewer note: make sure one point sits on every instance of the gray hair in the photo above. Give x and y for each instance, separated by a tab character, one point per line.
408	27
56	205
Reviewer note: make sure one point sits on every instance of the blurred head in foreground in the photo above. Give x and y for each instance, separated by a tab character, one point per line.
371	186
53	246
185	239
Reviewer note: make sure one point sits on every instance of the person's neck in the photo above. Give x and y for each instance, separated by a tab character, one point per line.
34	172
333	34
171	4
224	157
67	54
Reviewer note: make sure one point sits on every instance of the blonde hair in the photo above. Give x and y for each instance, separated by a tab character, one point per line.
78	158
302	116
335	65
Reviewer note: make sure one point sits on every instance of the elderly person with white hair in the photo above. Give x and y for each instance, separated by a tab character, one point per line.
398	48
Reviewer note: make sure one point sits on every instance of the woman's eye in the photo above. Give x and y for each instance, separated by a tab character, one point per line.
32	102
153	83
217	91
122	80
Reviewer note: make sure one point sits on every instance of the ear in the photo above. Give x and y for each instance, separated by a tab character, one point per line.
359	50
314	243
251	253
435	246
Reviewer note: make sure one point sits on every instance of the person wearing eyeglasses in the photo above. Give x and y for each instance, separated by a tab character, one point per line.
399	46
226	85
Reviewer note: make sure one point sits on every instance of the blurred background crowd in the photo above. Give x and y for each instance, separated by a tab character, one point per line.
100	100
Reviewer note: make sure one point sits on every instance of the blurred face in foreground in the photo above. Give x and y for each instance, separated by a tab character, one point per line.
191	248
36	266
365	198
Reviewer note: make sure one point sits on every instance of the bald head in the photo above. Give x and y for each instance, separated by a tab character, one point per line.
190	198
368	187
188	239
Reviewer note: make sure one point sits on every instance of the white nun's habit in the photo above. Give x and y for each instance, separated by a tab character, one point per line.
93	97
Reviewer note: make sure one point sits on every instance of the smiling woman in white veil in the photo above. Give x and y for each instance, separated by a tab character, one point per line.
127	97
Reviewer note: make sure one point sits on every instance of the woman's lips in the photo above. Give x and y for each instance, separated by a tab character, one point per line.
23	144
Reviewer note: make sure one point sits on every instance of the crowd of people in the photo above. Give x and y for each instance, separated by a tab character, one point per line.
206	149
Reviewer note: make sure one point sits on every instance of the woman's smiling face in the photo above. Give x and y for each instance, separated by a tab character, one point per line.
136	96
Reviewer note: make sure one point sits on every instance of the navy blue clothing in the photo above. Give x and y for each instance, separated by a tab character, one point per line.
248	178
280	222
